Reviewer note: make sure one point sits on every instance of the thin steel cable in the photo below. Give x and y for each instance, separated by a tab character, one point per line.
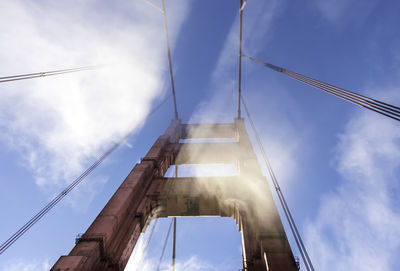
277	188
174	246
171	75
60	196
150	235
241	6
292	224
146	245
165	245
174	236
49	73
377	106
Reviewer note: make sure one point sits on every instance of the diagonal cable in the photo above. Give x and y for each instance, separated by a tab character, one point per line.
60	196
285	207
165	245
49	73
377	106
146	245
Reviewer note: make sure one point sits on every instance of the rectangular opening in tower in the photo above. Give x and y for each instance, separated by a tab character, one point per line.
207	140
202	243
202	170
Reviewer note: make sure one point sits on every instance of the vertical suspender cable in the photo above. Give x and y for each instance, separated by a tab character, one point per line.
153	5
240	56
299	242
174	242
285	207
169	58
174	246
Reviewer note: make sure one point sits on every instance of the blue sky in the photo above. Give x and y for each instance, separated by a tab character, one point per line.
338	165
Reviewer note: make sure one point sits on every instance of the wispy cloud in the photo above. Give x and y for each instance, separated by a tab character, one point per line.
257	15
283	144
357	224
59	124
193	263
139	260
343	11
280	143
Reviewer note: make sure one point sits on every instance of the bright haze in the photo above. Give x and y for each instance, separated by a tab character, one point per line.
337	163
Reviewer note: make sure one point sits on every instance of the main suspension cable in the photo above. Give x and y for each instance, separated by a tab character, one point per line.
377	106
60	196
49	73
285	207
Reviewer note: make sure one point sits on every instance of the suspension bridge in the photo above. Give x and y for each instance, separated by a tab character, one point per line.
146	194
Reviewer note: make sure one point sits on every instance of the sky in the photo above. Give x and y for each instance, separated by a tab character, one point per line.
338	164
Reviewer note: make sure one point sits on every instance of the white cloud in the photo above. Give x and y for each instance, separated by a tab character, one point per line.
357	225
60	124
193	264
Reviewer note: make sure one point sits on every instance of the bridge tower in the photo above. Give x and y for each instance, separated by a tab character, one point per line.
146	194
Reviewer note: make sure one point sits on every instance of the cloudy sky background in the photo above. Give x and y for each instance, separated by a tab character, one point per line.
338	165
